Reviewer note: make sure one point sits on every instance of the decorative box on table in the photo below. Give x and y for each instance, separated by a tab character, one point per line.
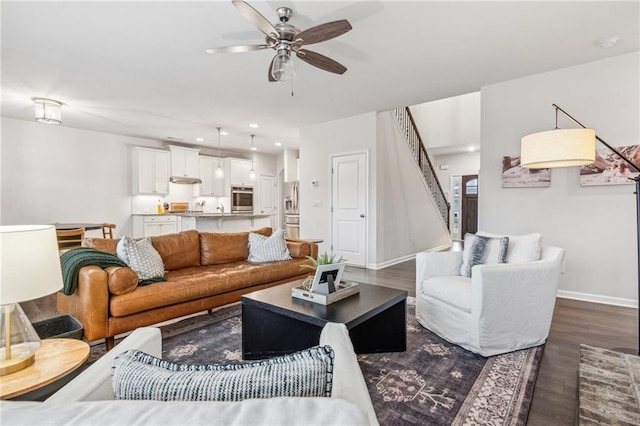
344	289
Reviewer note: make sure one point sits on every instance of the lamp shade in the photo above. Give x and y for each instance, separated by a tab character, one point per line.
29	263
558	148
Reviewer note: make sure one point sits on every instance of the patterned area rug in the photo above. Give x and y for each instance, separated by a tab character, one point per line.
432	383
609	387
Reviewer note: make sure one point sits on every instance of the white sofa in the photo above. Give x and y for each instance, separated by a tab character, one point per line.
88	399
501	308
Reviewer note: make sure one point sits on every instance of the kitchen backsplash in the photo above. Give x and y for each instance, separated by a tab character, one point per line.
144	204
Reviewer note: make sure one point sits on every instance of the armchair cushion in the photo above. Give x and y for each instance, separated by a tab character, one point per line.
480	250
522	248
454	291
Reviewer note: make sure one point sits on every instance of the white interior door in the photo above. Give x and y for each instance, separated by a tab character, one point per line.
349	208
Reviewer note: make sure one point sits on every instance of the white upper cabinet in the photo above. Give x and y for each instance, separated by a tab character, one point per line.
150	171
239	172
185	162
211	186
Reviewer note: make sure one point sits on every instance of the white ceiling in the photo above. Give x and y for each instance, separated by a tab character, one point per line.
140	69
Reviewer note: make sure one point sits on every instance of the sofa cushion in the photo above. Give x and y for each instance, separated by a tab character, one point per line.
453	290
121	280
225	247
108	245
307	373
522	248
180	250
141	257
268	249
482	250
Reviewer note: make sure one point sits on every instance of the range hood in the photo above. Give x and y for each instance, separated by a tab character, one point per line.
184	180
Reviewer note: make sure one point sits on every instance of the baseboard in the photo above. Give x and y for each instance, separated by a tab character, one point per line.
597	298
395	261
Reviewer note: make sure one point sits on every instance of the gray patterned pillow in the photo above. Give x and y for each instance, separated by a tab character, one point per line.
482	250
141	257
268	249
308	373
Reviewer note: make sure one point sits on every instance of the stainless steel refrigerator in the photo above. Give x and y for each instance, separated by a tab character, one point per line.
291	212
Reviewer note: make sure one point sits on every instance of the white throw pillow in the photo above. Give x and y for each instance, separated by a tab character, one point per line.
142	257
307	373
481	251
268	249
522	248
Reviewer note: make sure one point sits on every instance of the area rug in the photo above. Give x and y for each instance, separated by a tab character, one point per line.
432	383
609	387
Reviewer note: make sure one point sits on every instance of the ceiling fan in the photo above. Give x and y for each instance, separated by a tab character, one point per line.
286	39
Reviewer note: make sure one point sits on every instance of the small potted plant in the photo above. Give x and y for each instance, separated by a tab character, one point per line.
323	259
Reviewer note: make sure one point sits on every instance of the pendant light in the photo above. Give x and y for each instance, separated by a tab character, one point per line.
219	171
252	172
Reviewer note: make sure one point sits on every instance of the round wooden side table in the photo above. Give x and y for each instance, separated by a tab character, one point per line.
55	359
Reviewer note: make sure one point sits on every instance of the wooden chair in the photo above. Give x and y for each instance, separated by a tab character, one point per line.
69	238
107	230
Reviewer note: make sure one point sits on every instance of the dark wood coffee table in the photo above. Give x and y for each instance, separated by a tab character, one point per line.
274	323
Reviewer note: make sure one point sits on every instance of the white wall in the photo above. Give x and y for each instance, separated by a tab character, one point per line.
449	122
407	219
318	144
466	163
59	174
596	225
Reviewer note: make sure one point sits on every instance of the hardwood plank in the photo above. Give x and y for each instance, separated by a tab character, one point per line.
574	322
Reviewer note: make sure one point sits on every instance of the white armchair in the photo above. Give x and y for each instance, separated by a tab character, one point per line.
501	308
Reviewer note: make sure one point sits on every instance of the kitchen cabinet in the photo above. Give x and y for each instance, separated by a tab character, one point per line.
149	171
290	165
210	186
266	195
185	162
151	226
239	172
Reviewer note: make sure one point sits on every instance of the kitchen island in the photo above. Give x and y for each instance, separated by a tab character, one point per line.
152	224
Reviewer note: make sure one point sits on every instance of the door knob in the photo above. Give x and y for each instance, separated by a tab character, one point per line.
361	214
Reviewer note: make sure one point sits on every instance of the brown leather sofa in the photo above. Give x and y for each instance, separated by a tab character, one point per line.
203	270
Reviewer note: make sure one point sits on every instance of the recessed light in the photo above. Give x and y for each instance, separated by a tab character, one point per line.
278	144
199	140
471	149
253	148
223	133
253	125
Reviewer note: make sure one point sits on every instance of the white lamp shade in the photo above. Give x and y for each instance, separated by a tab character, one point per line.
558	148
29	263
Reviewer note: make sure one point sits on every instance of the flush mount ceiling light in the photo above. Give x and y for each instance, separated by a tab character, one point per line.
607	43
48	110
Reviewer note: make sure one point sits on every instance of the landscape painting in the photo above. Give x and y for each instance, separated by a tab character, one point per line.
609	168
514	176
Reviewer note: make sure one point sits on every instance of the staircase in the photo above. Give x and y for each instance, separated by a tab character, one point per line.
419	152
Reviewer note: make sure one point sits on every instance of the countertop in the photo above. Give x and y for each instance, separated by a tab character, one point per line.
206	215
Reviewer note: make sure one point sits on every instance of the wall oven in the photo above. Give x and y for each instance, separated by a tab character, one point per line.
241	199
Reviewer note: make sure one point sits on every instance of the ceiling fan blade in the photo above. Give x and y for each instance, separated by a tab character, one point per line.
271	79
325	32
321	61
237	49
255	18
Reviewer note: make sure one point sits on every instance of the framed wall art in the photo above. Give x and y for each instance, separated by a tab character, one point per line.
609	169
514	176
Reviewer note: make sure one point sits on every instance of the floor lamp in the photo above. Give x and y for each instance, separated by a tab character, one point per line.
570	148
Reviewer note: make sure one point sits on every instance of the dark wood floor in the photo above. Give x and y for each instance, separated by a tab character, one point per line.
574	322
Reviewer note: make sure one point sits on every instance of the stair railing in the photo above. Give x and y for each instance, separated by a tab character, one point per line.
419	152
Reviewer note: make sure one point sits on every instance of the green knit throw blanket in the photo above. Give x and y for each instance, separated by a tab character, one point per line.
73	260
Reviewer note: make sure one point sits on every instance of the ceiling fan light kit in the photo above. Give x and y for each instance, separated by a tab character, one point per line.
287	39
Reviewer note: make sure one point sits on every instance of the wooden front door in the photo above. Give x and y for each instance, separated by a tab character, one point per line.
469	212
